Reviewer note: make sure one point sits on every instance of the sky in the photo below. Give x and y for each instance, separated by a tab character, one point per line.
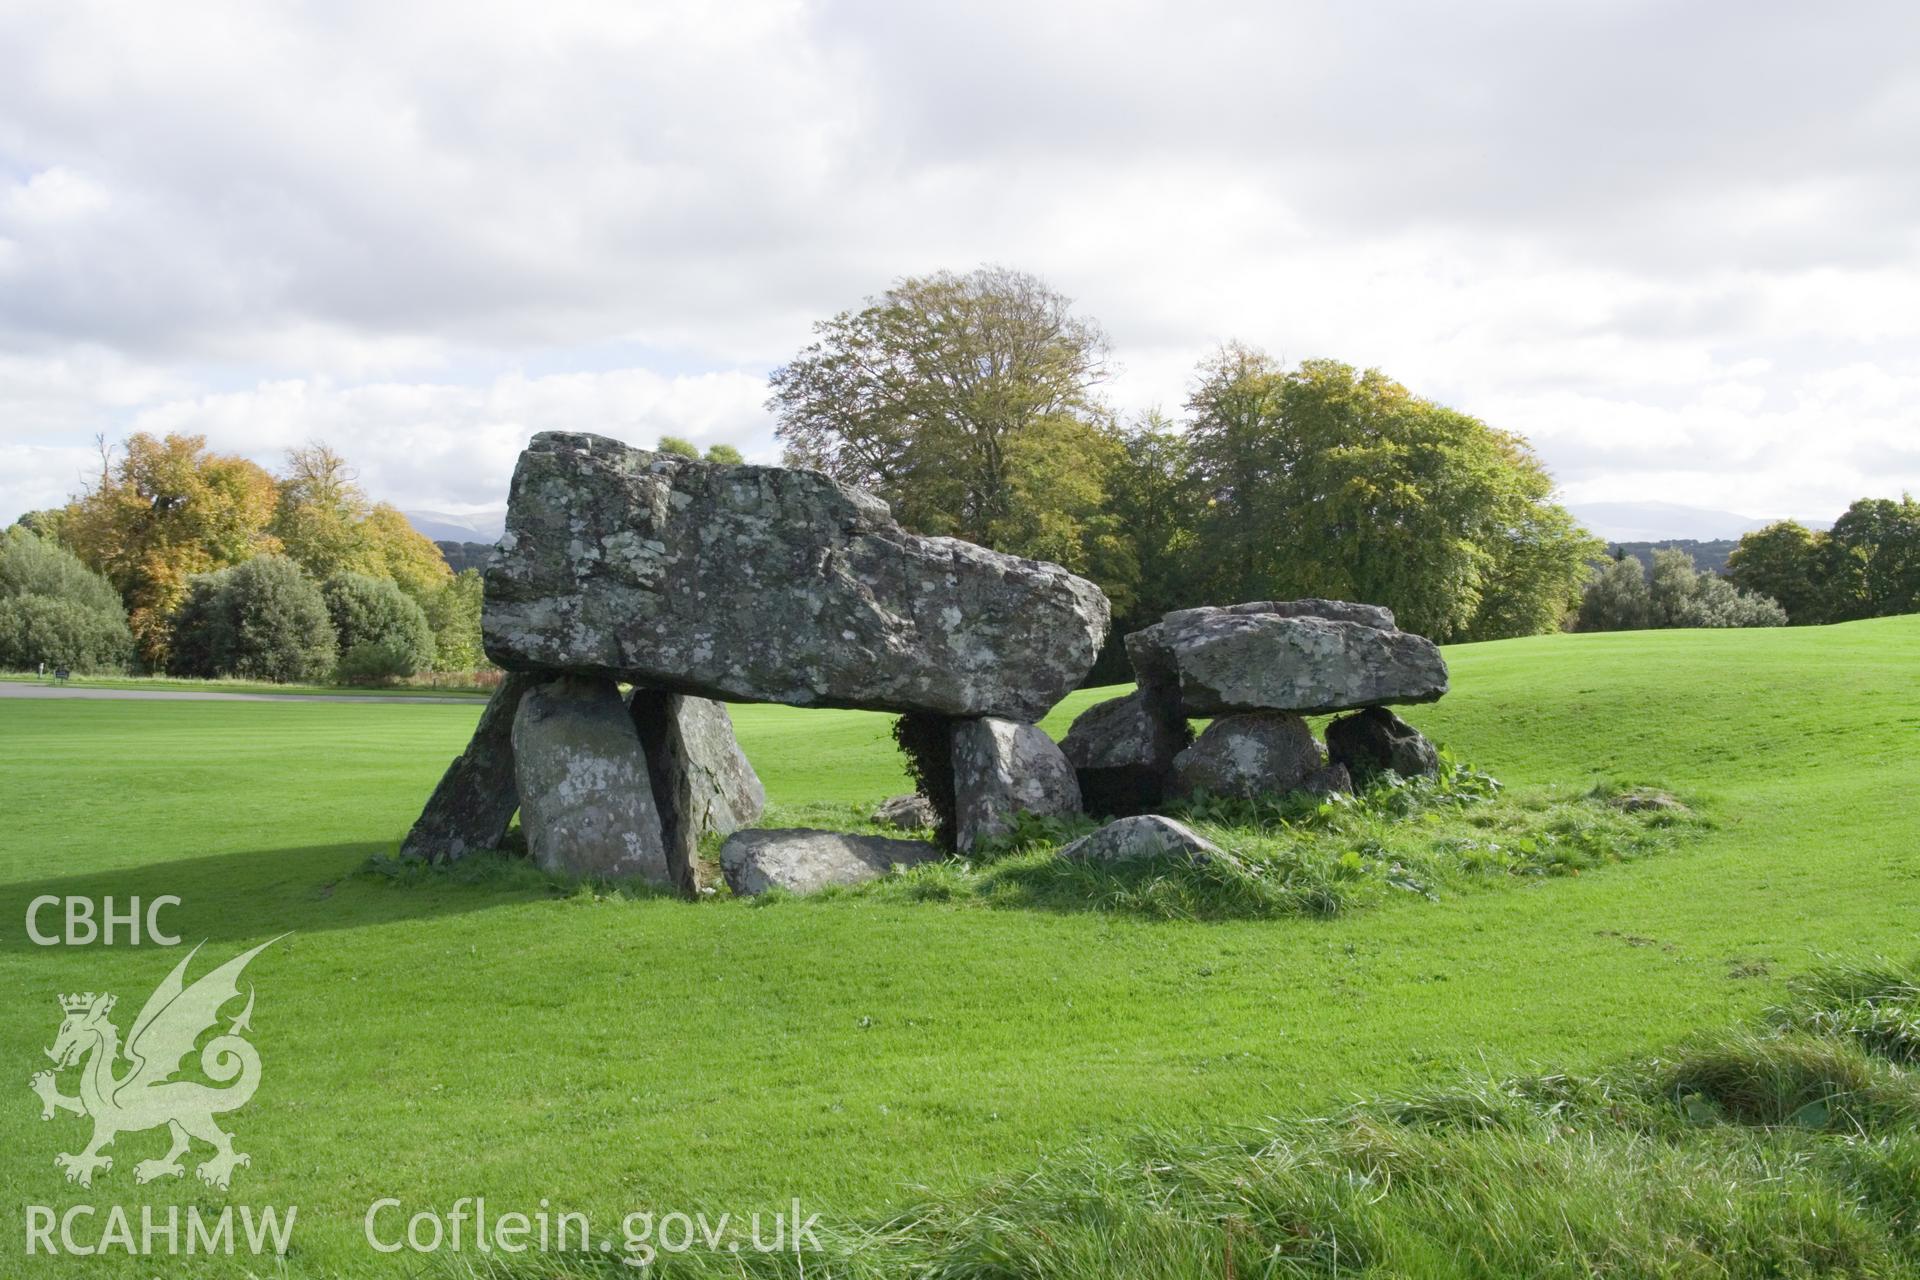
1675	246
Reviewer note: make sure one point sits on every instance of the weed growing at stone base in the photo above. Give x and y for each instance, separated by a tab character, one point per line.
1306	855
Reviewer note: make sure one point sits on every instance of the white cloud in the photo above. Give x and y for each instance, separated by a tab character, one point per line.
1675	246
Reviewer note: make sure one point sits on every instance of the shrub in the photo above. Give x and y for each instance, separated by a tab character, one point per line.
373	617
375	662
262	620
1673	593
53	609
453	611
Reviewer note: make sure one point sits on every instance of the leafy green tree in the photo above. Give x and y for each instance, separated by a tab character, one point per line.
966	401
1155	502
1875	559
374	613
261	620
1791	564
678	446
53	609
1617	599
1325	480
454	613
725	453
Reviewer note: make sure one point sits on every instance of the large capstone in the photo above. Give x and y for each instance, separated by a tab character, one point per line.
475	802
1122	753
802	861
1001	769
1378	741
1259	753
1222	661
765	584
701	779
586	797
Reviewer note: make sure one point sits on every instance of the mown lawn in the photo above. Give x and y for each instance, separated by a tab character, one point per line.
618	1053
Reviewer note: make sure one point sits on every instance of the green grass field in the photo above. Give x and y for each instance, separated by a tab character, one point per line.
429	1041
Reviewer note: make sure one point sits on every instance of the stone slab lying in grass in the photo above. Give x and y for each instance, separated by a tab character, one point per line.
1002	769
911	812
804	861
586	794
1145	835
1219	661
476	799
764	584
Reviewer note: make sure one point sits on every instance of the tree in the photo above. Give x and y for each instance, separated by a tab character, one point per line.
262	620
1155	501
966	401
725	453
1671	593
454	613
678	446
1875	559
1790	563
53	609
1328	481
1617	599
374	614
326	524
166	510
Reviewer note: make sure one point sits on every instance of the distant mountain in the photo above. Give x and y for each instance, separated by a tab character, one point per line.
1662	521
445	526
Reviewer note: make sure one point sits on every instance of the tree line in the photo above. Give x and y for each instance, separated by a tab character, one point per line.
179	559
1866	566
972	404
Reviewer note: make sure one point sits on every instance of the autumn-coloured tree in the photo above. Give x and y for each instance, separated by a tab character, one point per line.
165	510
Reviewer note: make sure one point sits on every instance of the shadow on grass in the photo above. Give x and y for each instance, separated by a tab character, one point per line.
235	896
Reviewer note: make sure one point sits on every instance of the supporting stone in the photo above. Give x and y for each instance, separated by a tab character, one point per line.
701	779
1002	768
1122	753
1260	753
1376	740
475	802
586	794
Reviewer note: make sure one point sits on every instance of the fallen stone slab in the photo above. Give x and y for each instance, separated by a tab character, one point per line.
1256	753
702	781
765	584
907	813
1122	754
1144	836
1218	662
1367	615
803	861
1001	769
586	794
474	803
1376	741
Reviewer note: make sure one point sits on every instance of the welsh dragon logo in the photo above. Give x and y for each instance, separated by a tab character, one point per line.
146	1095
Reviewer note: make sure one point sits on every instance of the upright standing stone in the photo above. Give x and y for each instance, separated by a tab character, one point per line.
701	779
475	802
1376	740
763	584
1122	754
1002	768
586	795
1260	753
